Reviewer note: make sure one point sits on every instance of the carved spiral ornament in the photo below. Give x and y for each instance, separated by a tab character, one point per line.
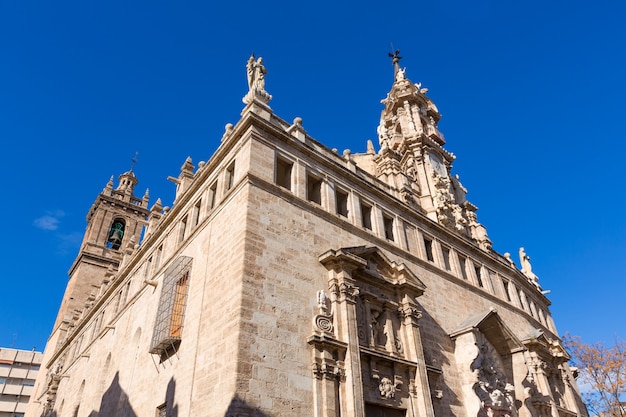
324	323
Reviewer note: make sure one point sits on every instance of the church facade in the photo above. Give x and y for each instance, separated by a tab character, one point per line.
289	280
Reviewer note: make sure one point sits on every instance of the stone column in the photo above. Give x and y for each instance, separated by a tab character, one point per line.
343	296
543	382
414	351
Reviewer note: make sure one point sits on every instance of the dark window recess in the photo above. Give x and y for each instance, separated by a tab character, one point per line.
428	245
505	283
446	258
314	189
283	173
462	265
196	213
478	277
341	199
212	194
183	229
372	410
230	176
388	225
366	216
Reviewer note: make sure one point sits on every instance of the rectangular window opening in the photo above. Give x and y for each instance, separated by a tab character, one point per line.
161	410
183	229
388	227
314	189
341	199
446	258
366	216
479	279
507	294
283	173
462	265
159	253
428	245
148	268
196	213
212	195
168	327
230	176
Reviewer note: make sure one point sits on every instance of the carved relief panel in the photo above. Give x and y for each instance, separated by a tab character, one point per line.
492	385
379	324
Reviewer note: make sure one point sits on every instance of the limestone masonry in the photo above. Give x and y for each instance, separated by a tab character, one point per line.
289	280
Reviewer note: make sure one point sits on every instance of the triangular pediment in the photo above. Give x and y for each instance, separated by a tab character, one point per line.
371	261
490	324
538	341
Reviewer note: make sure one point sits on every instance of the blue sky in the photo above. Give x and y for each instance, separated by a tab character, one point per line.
531	93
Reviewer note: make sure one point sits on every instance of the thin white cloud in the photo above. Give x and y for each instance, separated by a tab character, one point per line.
69	243
49	221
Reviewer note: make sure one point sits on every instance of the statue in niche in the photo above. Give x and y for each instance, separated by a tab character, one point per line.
375	329
378	336
387	388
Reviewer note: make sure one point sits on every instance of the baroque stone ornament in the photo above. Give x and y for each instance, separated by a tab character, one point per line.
387	388
491	385
448	213
323	321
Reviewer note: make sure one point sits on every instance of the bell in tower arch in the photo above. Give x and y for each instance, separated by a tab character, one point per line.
116	234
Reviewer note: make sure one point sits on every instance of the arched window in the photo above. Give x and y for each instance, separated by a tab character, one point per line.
116	234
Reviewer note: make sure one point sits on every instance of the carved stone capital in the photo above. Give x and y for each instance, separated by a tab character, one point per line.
348	291
410	313
326	371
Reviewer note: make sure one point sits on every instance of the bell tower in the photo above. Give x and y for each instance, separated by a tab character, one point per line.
413	160
115	220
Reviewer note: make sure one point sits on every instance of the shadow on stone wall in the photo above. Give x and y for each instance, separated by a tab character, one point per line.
437	342
239	408
114	401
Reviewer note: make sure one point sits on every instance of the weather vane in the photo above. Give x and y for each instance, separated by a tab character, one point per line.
395	60
134	161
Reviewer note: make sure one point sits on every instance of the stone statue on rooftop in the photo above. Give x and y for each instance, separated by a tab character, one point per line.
256	71
527	269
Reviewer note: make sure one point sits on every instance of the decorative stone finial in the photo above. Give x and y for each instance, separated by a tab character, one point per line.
256	81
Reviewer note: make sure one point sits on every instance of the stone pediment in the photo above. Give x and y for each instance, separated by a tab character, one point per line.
369	261
538	341
491	325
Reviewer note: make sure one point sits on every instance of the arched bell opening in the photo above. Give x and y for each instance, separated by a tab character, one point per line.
116	234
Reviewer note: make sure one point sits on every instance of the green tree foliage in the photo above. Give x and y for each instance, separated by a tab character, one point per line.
602	375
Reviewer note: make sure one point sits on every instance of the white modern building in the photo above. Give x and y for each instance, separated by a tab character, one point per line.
18	371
